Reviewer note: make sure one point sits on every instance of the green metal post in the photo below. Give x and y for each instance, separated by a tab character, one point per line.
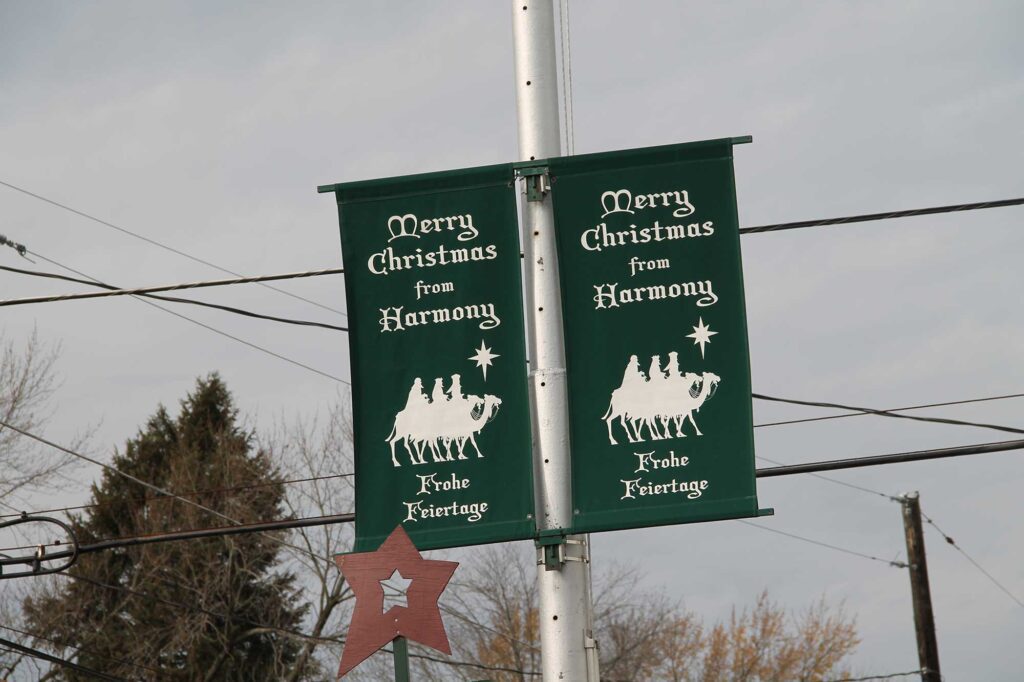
401	647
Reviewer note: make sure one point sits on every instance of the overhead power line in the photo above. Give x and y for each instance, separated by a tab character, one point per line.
889	413
785	470
882	216
49	658
168	287
870	678
80	649
195	608
154	488
894	458
828	479
206	533
219	332
161	245
204	491
892	409
967	556
175	299
896	564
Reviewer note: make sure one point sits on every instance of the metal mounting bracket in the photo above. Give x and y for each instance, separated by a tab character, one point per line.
551	546
538	182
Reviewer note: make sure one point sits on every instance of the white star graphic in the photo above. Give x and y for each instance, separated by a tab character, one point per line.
701	335
484	358
395	591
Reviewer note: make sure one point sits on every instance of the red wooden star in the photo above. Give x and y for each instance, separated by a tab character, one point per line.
371	626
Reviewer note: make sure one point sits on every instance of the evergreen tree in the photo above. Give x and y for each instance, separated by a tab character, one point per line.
237	605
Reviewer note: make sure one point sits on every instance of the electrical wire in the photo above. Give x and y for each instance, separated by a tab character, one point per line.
892	458
890	676
882	216
193	607
853	486
151	487
967	556
159	244
565	43
80	649
888	413
892	409
467	664
114	291
147	500
896	564
206	326
336	641
175	299
785	470
42	655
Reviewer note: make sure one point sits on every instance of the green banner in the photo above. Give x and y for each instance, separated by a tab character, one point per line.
440	403
655	334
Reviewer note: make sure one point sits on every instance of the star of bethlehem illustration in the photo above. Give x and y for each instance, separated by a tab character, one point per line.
484	358
701	335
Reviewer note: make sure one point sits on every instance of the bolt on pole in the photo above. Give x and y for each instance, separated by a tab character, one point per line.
924	620
563	575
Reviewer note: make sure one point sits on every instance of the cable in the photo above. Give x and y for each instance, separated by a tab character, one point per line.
206	326
893	409
786	470
207	533
159	244
888	413
151	487
42	655
80	649
967	556
147	500
854	486
565	43
169	287
175	299
893	458
193	607
114	470
882	216
880	677
896	564
289	631
467	664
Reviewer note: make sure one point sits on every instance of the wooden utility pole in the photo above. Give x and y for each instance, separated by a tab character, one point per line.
924	620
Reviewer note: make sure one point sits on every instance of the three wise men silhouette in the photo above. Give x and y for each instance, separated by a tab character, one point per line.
663	398
436	422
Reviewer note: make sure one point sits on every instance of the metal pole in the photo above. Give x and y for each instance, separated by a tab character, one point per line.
924	621
563	575
400	646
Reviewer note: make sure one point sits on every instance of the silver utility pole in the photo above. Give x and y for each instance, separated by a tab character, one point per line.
564	572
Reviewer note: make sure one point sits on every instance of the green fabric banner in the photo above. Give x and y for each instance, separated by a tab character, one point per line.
440	404
655	333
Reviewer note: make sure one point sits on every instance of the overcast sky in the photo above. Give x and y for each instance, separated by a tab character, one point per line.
208	126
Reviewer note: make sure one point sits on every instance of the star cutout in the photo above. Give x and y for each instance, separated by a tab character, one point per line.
484	358
395	592
701	335
420	620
